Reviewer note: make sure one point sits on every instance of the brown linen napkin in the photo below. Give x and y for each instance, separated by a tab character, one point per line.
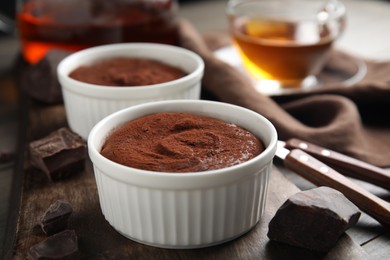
352	120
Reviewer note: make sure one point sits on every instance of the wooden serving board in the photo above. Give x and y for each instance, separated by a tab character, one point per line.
98	240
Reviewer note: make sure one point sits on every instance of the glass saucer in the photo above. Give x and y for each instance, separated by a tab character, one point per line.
345	71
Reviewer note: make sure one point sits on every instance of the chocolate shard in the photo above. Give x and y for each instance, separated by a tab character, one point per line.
59	154
59	246
55	218
313	219
40	80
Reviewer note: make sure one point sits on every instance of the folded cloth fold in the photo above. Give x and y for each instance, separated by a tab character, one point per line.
353	120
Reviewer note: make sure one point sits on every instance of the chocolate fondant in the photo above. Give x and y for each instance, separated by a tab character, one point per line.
127	72
180	142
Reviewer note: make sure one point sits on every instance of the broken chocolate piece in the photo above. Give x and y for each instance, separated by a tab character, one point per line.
59	154
57	246
40	80
55	219
313	219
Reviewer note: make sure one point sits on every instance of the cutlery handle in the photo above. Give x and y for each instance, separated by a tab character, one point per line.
344	164
322	175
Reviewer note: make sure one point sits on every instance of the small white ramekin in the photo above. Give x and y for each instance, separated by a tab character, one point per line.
183	210
86	104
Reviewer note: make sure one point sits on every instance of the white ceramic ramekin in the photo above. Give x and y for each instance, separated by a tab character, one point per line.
184	210
86	104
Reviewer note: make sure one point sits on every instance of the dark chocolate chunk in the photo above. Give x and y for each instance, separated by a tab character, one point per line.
59	154
58	246
40	80
55	219
313	219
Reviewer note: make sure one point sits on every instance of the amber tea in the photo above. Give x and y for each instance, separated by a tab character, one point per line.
284	41
73	25
283	51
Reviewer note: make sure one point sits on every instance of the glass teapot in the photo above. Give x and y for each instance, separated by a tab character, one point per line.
73	24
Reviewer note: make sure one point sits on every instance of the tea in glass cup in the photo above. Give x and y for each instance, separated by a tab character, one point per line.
74	25
285	41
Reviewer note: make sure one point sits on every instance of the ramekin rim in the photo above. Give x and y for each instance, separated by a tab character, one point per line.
265	157
87	87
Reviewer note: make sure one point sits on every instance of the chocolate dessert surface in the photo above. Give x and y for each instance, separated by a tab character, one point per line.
180	142
127	72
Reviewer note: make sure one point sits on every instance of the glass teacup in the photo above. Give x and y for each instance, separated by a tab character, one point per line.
285	43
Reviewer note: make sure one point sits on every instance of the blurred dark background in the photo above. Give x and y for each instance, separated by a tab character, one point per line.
7	14
8	9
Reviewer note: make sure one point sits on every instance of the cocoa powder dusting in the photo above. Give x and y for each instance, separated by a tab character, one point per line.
180	142
127	72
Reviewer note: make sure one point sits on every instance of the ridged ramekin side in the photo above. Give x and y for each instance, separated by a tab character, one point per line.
84	111
183	218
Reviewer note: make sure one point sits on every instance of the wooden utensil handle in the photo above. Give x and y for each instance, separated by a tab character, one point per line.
322	175
344	164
